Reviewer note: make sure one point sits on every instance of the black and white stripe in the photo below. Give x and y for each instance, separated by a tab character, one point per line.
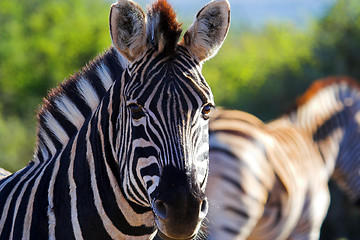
269	181
264	180
122	148
330	113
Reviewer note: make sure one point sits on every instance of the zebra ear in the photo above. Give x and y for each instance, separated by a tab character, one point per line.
206	35
128	29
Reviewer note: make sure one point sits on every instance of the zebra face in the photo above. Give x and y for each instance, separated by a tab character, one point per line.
167	105
162	135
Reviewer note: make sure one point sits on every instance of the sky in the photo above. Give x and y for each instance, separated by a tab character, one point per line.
256	13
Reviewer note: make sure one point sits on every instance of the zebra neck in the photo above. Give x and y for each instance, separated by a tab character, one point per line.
67	107
120	217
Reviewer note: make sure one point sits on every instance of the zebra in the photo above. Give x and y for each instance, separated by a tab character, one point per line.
269	180
122	146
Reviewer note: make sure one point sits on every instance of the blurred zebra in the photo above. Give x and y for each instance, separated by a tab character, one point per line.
269	181
329	112
122	147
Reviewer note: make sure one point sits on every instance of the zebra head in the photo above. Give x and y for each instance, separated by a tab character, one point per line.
162	135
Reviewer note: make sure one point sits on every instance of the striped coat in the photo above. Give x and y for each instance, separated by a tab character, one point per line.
266	180
269	181
122	146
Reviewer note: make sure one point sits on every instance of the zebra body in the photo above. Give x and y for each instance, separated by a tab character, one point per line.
260	185
269	181
122	148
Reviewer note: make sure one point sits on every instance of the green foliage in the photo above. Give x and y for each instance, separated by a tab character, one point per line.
16	143
42	42
250	61
338	38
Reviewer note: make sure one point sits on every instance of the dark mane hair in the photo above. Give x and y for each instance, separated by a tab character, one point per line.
168	31
319	84
97	76
322	83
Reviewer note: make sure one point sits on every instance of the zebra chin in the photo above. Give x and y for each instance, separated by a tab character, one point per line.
180	205
178	228
164	237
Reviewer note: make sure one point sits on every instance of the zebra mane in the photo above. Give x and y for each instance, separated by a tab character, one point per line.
323	83
163	28
67	106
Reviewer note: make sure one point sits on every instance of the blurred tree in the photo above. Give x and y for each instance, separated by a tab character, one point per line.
16	143
255	71
337	39
42	42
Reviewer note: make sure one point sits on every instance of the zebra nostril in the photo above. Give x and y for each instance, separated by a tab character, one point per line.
204	209
160	209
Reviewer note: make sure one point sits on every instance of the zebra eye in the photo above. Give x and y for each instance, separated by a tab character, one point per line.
137	111
206	111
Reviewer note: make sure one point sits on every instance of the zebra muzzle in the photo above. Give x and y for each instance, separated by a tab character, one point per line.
180	223
179	207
